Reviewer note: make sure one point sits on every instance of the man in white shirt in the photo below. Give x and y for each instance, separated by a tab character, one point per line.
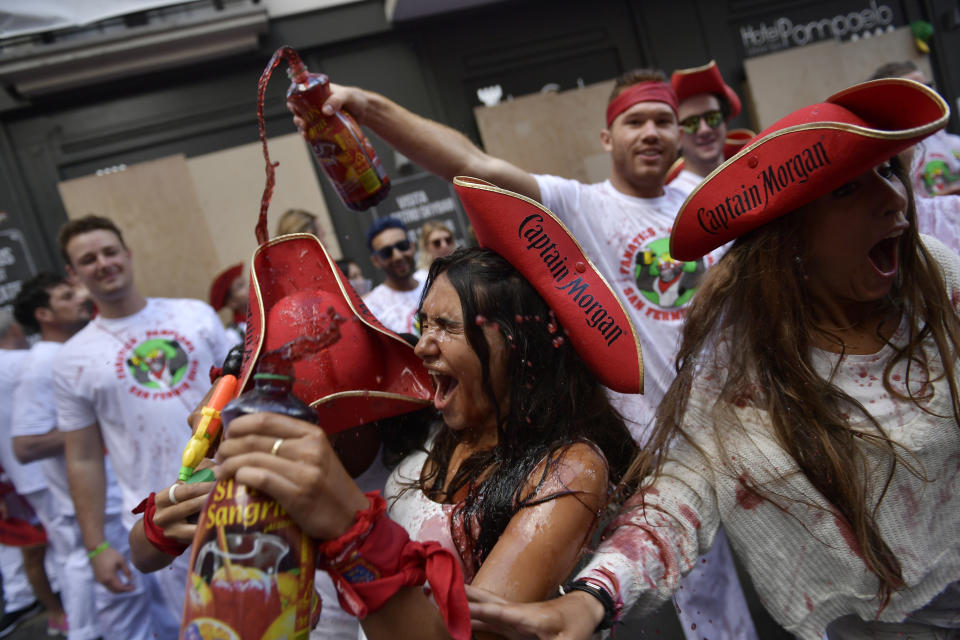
23	564
623	224
396	300
55	309
127	382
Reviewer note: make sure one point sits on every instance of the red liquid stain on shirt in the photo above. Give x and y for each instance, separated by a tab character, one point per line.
862	373
747	496
808	601
847	534
690	516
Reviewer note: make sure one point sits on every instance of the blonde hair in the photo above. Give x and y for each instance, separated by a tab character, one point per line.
423	255
296	221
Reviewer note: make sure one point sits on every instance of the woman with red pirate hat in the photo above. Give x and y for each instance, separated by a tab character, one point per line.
816	411
519	338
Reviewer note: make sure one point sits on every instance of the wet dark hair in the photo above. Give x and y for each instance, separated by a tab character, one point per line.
86	224
33	295
555	401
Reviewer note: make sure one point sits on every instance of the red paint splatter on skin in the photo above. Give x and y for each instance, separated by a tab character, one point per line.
847	534
690	516
747	496
480	320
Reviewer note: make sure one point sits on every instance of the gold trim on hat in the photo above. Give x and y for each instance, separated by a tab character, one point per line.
483	185
828	125
692	70
363	393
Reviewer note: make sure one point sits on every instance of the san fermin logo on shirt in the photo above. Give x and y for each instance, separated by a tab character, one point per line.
660	286
160	365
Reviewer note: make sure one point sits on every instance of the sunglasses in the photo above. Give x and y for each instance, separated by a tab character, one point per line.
436	243
713	119
385	253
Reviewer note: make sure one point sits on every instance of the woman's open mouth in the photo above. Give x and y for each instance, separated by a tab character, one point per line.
884	255
444	386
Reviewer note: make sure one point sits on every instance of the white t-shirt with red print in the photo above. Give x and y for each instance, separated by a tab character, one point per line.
628	239
397	310
139	377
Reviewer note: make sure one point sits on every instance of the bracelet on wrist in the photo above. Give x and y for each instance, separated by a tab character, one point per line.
100	548
609	610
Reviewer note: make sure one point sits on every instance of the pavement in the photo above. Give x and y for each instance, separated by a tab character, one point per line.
32	628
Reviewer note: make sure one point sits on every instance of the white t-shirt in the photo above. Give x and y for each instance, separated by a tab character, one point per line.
397	310
686	181
628	239
940	217
936	164
139	377
26	478
35	413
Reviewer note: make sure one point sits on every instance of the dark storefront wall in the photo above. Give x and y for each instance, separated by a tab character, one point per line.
432	66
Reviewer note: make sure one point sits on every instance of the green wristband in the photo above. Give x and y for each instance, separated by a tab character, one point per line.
93	553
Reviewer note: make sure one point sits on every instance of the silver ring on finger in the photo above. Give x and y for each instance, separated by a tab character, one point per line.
172	494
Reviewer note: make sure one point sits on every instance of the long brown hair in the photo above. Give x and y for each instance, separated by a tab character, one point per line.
757	298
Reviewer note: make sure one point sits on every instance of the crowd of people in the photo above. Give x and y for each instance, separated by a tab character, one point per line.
794	295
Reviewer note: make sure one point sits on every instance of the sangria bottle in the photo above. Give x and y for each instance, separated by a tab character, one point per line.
344	152
251	567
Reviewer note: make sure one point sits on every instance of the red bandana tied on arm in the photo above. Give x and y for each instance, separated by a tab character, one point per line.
376	558
643	92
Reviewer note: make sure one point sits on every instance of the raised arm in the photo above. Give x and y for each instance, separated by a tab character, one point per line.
435	147
85	472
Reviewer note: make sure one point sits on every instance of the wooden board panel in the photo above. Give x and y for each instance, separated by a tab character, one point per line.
157	209
556	133
229	185
788	80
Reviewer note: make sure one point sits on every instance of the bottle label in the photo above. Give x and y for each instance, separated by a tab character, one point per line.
344	153
251	571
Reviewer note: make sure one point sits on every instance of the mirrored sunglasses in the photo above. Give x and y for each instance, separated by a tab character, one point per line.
712	118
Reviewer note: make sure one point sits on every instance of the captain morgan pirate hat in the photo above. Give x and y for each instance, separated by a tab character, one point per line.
705	79
364	373
528	236
810	152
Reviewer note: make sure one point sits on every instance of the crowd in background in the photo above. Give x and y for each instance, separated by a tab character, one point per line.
800	401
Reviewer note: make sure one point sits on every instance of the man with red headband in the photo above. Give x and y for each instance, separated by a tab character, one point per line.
705	103
623	223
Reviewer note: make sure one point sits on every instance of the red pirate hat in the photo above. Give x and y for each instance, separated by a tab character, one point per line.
367	372
705	79
541	248
735	140
220	289
809	153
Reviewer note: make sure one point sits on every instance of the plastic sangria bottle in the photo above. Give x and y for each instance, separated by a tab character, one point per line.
341	147
251	567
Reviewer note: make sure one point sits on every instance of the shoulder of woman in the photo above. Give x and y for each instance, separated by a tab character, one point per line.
579	467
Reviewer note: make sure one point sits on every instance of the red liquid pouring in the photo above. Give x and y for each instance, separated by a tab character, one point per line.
344	152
